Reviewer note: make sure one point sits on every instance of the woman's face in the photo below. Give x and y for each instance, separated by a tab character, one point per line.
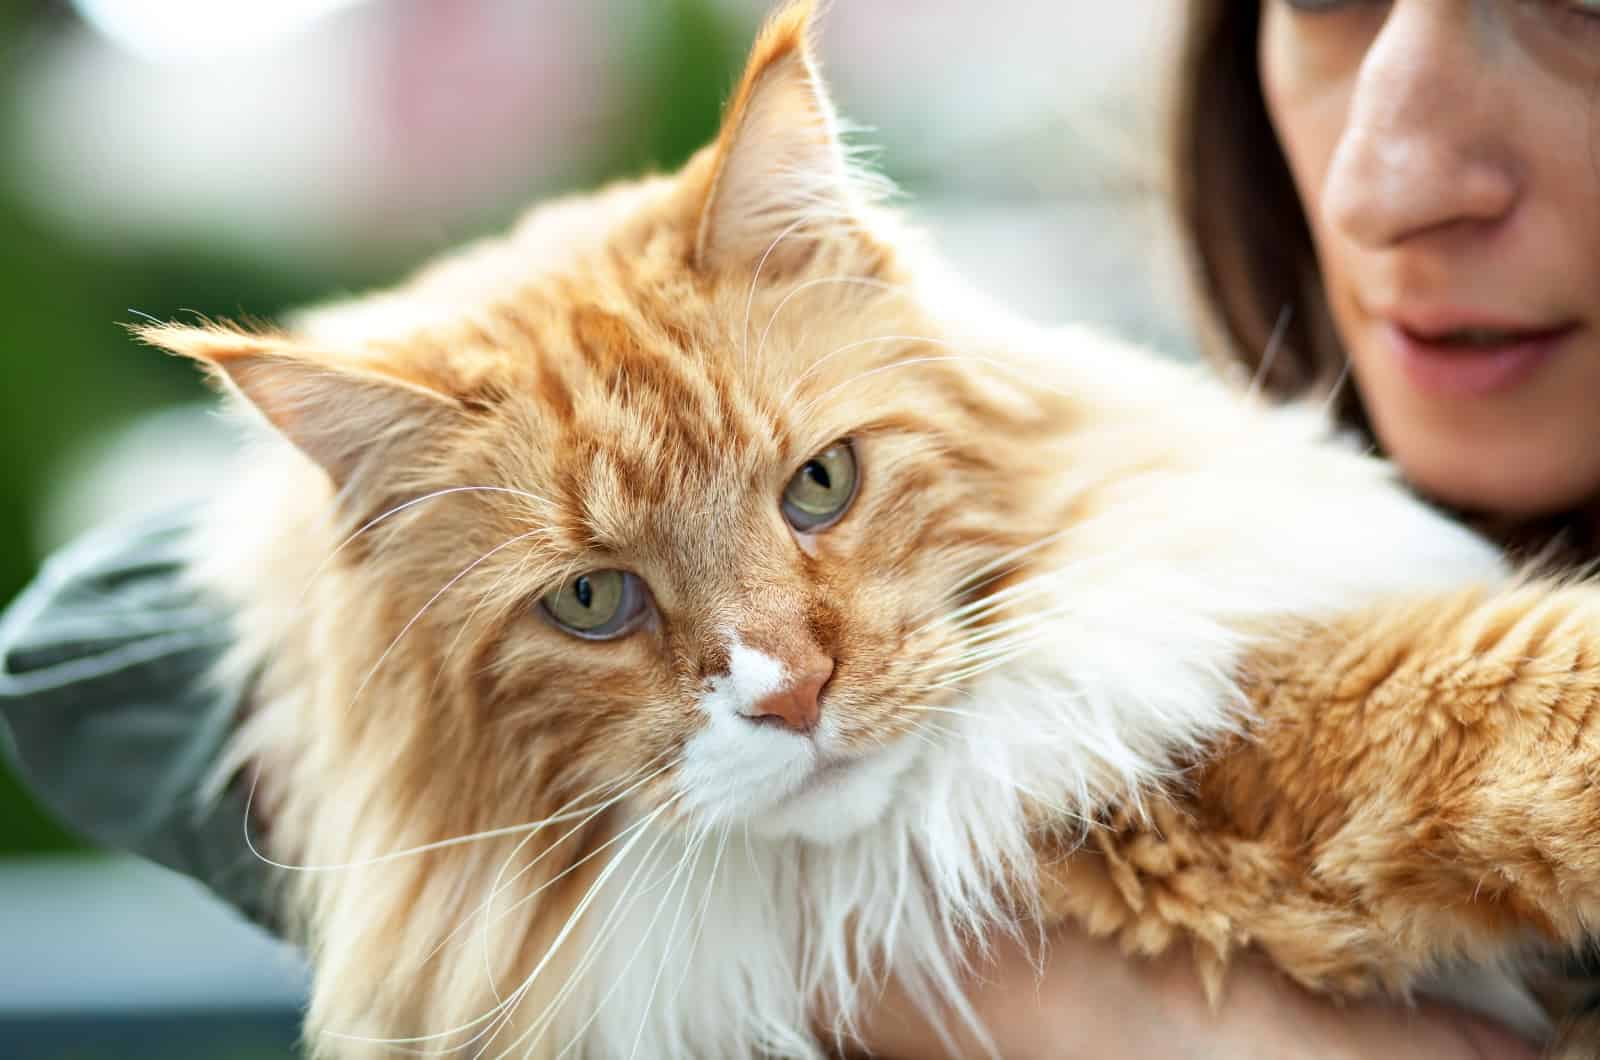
1447	153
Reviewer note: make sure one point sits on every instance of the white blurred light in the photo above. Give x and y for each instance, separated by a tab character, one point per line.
199	29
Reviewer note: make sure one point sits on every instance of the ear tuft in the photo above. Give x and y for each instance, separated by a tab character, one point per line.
779	163
353	421
209	343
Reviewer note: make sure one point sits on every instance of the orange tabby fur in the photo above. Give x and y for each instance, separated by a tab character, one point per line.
1417	787
628	380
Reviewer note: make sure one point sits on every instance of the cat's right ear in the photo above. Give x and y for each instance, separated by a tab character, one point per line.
779	174
350	419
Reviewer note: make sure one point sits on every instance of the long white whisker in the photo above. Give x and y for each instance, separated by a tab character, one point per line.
468	569
926	739
967	615
705	905
531	895
497	886
766	888
1275	340
928	708
577	914
689	860
435	495
637	829
1055	578
980	647
608	926
997	566
755	278
997	631
908	362
486	907
1007	559
584	819
394	855
608	929
969	665
863	281
509	1006
466	623
788	395
982	666
1333	391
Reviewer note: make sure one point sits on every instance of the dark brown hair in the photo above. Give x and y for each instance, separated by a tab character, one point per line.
1251	259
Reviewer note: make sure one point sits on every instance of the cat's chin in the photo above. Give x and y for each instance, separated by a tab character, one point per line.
837	801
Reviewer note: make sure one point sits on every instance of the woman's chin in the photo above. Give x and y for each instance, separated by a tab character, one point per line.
1472	476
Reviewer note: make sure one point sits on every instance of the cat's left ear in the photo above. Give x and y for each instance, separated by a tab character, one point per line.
780	176
357	422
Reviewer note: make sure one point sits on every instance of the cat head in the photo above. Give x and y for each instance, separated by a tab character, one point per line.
680	487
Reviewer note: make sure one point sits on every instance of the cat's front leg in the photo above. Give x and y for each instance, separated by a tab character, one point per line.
1417	786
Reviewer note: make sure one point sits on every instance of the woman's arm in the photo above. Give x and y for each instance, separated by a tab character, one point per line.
110	705
1091	1003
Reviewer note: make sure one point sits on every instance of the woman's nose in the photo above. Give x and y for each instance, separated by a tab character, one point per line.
1427	140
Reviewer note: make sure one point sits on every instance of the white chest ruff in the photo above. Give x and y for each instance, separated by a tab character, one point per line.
704	948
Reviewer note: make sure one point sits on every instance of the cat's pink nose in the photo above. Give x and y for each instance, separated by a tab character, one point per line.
797	707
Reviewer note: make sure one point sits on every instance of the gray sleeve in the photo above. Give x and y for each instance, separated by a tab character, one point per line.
109	710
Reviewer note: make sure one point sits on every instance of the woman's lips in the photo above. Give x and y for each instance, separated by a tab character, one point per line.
1437	364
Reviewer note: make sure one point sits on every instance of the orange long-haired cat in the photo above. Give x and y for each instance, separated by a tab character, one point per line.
674	617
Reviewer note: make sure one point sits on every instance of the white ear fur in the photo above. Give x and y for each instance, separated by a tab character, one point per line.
781	165
351	421
354	424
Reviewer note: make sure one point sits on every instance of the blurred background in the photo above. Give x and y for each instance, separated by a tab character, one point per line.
240	157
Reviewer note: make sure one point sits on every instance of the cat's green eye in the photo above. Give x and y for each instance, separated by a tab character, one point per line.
598	605
822	489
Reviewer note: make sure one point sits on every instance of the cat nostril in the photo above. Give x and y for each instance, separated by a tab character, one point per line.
798	707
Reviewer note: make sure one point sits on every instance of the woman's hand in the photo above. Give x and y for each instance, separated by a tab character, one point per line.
1093	1003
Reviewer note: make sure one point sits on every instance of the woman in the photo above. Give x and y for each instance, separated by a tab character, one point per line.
1414	186
1407	183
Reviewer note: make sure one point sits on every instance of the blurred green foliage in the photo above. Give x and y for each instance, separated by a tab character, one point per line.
71	372
683	71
